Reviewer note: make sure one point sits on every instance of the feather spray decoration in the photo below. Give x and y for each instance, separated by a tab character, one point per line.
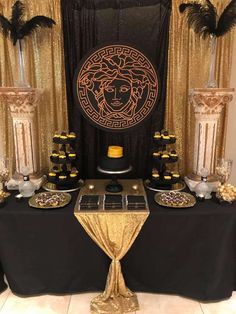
17	28
204	20
227	19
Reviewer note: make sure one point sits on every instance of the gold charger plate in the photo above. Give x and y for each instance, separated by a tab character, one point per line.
159	199
66	198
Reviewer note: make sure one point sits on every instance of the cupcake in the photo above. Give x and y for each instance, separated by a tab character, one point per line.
62	157
175	176
173	155
72	155
73	177
156	155
71	136
172	138
54	156
52	177
167	176
165	137
155	175
63	138
56	138
157	136
165	156
62	177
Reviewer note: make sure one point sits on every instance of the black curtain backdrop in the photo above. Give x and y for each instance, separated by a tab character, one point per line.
143	24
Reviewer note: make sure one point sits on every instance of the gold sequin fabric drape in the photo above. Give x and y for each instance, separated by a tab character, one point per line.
44	68
114	233
188	68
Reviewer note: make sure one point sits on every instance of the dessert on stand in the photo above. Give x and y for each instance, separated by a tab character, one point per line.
164	175
64	175
114	164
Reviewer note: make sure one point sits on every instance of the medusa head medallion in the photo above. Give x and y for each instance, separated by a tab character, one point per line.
116	87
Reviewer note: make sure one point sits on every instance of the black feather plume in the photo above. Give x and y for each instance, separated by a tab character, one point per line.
33	24
183	7
227	19
202	18
17	13
5	26
16	20
17	28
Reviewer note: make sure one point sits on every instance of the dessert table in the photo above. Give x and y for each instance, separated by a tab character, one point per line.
189	252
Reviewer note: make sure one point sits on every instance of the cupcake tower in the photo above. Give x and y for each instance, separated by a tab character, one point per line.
64	174
162	156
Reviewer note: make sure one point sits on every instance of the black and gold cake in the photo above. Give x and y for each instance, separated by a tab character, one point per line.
115	160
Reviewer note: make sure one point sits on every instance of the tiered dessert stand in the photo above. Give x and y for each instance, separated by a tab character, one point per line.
162	178
64	174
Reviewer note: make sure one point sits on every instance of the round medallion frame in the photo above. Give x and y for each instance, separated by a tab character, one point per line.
116	87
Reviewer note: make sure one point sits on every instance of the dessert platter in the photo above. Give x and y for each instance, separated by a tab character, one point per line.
175	199
50	200
64	175
162	178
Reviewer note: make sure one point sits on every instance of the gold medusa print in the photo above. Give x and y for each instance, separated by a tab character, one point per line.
118	81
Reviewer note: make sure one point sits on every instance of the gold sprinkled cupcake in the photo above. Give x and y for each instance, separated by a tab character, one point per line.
54	156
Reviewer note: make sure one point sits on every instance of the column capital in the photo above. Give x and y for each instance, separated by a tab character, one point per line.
210	101
21	101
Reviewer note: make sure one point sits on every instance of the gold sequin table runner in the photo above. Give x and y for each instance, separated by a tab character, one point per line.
114	232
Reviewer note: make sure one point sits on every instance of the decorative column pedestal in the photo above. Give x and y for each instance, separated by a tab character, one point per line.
208	104
22	103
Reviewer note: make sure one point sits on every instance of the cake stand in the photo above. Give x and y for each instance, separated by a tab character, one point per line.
114	186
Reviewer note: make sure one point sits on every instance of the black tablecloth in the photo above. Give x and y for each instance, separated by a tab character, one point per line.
189	252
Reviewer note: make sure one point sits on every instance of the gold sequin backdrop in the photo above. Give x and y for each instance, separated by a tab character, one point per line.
188	68
44	69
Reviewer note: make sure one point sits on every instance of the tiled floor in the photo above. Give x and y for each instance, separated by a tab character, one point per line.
79	304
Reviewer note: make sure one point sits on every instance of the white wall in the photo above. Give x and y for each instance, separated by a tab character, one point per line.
231	129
